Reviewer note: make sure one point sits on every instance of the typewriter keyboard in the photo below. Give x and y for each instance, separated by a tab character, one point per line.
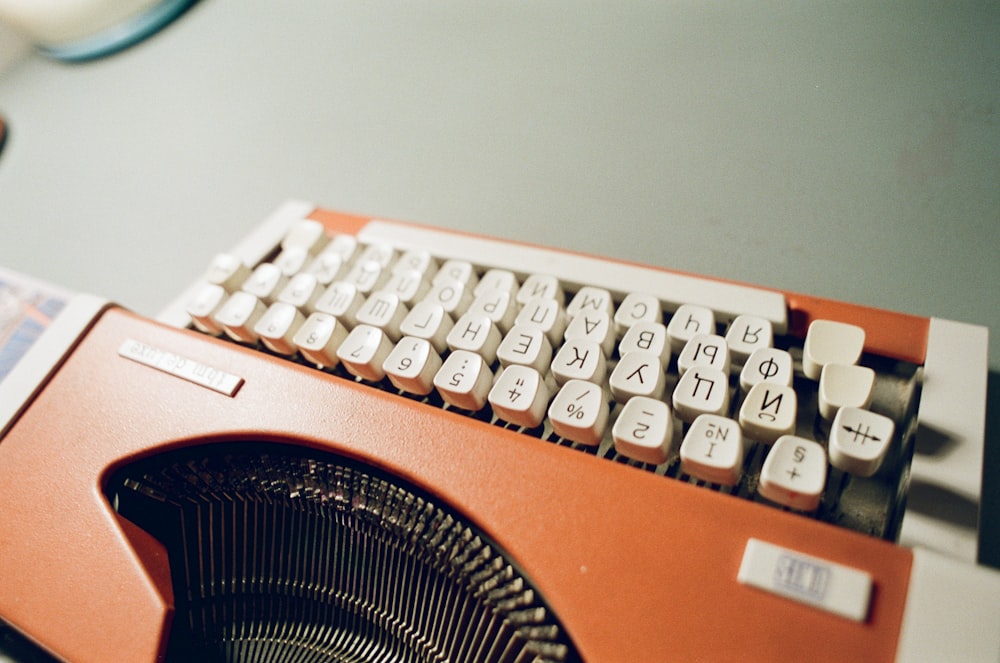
690	378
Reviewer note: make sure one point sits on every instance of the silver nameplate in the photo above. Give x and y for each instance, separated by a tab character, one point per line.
181	367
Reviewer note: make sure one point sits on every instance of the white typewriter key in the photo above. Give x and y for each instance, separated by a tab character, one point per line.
408	285
637	374
843	385
589	299
767	365
712	450
464	380
701	390
380	253
421	262
412	365
452	295
239	315
384	310
593	326
204	305
327	267
344	246
859	440
497	305
687	321
292	260
580	412
319	337
746	334
526	345
540	285
266	281
341	300
364	351
768	412
498	279
475	333
547	315
429	321
227	271
704	350
579	359
636	308
277	327
794	473
365	275
457	270
306	234
520	396
647	337
829	342
302	291
644	430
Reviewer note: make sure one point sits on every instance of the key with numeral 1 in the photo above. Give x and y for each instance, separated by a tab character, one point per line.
712	450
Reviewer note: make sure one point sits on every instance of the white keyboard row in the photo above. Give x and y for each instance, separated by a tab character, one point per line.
383	312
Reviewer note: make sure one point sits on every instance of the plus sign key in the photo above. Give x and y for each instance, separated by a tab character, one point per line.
859	440
794	473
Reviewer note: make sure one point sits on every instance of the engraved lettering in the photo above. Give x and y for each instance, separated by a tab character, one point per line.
697	385
637	373
379	307
592	302
539	288
768	369
710	351
181	367
577	358
471	332
524	345
492	306
767	404
715	431
752	337
639	310
426	323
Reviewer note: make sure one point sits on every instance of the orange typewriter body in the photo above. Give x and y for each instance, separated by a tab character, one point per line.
636	567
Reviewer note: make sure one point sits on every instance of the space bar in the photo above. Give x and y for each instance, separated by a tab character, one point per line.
727	299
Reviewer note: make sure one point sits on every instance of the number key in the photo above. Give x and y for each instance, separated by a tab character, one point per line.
644	430
580	412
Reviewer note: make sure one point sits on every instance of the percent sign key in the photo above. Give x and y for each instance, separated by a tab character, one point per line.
580	412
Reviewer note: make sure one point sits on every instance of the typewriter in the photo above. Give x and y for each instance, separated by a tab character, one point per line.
356	439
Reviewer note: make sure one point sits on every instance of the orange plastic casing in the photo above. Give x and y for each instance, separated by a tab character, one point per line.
636	566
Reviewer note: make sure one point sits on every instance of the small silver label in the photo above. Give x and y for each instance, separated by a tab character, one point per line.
182	367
